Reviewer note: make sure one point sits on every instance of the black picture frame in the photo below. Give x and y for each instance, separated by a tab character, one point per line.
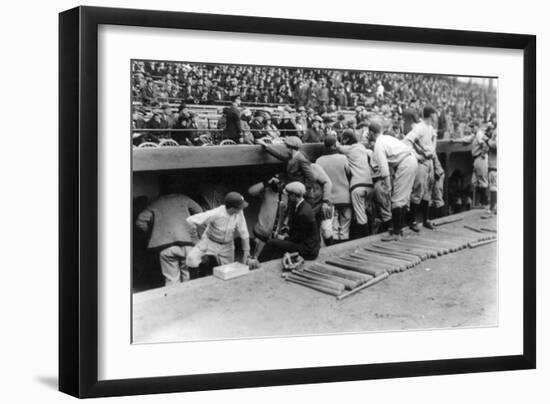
78	196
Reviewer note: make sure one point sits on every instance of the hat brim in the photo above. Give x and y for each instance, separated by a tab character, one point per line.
242	205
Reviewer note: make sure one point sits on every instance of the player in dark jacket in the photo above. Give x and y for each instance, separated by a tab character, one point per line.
303	235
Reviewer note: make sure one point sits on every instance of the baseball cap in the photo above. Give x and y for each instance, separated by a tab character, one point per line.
296	187
293	141
235	200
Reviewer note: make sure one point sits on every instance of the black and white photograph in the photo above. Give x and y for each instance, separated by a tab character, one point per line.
284	201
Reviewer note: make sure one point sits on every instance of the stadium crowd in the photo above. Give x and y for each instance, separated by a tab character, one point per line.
273	102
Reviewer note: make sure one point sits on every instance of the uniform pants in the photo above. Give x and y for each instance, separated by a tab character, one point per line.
173	264
423	182
341	222
224	253
382	197
437	192
492	179
403	181
481	172
276	248
361	197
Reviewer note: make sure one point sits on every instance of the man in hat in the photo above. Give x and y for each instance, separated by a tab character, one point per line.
314	134
170	234
233	128
303	235
298	167
286	125
257	125
221	225
340	126
336	166
410	116
361	187
422	140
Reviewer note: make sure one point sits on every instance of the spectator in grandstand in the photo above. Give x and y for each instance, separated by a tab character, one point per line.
286	126
149	93
314	134
341	98
168	118
156	123
233	129
257	125
246	133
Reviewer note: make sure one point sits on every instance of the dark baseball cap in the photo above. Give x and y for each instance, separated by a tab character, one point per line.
235	200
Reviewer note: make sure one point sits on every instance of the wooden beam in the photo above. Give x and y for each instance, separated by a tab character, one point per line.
185	157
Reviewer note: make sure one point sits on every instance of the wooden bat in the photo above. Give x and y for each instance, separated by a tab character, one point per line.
377	253
344	273
489	230
472	228
375	266
444	221
293	276
411	258
443	246
379	258
480	243
374	256
437	250
436	238
393	247
348	283
317	279
428	253
397	266
351	266
373	281
328	291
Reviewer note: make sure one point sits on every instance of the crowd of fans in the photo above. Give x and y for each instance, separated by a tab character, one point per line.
274	101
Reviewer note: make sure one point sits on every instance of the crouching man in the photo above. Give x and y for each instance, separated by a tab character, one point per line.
218	238
303	235
393	156
170	234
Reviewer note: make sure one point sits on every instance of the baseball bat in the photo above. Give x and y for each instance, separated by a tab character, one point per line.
373	281
337	271
315	278
328	291
348	283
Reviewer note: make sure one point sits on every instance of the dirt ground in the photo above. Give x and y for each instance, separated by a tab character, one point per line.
455	290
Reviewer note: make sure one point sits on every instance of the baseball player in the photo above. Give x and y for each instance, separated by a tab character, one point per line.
422	140
392	155
361	187
218	238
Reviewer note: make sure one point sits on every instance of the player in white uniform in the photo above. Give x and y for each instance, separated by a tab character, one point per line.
422	140
393	156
